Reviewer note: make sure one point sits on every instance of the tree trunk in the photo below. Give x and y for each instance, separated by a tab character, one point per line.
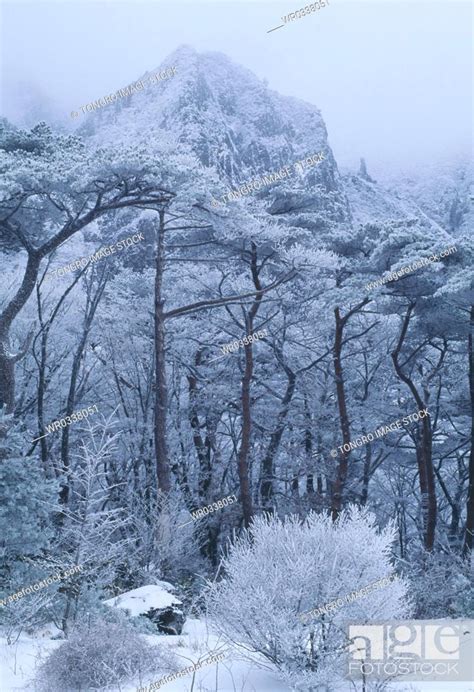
7	377
275	439
43	378
71	398
469	536
423	452
308	448
366	474
242	462
8	360
124	199
341	474
203	448
42	386
161	391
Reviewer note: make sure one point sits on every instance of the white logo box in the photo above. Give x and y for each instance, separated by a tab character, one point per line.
434	650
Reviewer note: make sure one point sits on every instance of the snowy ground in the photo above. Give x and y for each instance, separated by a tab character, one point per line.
18	663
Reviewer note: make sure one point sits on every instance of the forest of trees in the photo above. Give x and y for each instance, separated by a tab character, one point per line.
136	335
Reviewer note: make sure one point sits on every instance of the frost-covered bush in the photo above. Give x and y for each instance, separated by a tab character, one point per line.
442	585
100	655
278	570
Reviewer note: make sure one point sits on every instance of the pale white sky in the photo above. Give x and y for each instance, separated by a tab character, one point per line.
393	79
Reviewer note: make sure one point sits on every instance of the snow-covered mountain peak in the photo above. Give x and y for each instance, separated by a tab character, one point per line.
222	111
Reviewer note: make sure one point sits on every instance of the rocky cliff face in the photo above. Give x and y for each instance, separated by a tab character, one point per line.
233	123
236	125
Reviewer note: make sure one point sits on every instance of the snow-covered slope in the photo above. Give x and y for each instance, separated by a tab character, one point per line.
235	124
445	191
228	118
371	202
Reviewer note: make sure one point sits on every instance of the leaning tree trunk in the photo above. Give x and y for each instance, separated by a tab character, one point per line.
7	359
42	361
126	197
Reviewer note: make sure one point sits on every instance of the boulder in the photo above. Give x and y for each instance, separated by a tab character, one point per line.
154	601
169	620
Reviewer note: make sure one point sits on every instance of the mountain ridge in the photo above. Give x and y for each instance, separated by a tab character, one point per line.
234	123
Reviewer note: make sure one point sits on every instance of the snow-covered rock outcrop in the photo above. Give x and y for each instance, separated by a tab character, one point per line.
154	601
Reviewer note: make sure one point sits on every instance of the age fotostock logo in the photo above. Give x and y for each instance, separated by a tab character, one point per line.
412	650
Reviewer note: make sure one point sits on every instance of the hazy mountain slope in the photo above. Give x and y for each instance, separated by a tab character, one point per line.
371	202
26	104
229	118
445	191
235	124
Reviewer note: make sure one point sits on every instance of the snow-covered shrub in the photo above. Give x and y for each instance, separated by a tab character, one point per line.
100	655
278	570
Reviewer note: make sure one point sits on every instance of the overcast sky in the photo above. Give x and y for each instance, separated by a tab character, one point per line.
393	79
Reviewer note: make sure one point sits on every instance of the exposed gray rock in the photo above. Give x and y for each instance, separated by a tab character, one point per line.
155	602
168	620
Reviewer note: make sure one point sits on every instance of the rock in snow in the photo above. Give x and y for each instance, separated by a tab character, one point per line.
155	602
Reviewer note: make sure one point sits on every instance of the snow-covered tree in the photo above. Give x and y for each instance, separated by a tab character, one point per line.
26	510
93	532
277	572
